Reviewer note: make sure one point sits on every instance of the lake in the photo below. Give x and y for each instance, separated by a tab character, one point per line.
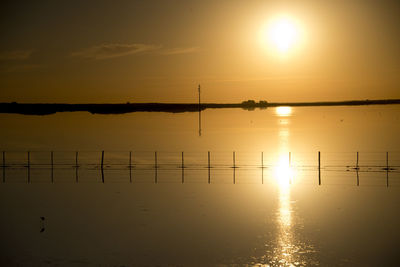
283	186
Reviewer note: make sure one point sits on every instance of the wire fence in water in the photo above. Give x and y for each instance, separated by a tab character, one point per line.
189	166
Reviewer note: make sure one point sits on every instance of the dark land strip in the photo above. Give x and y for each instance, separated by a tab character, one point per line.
46	109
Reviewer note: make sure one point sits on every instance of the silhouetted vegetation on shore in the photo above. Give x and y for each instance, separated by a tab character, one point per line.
45	109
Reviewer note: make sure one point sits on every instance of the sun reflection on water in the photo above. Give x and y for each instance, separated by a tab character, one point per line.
284	175
286	250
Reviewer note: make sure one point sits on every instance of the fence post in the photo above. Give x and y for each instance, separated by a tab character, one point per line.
357	169
155	167
357	161
183	169
76	165
29	166
209	168
102	166
234	167
387	169
319	167
130	166
262	167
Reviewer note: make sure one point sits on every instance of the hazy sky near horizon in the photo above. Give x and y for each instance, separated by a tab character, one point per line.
153	51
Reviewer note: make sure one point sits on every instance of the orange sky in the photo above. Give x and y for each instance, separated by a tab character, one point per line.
158	51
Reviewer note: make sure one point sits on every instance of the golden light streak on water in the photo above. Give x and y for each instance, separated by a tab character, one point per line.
284	176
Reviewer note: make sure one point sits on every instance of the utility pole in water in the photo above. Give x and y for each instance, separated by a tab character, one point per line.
199	112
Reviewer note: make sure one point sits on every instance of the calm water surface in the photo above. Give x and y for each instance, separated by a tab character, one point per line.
278	215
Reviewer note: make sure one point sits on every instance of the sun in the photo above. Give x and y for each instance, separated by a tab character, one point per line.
281	33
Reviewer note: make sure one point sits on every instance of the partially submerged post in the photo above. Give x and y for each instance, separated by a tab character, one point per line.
29	166
102	166
262	167
183	169
76	166
357	169
387	169
319	167
130	166
199	112
209	168
155	167
357	162
234	167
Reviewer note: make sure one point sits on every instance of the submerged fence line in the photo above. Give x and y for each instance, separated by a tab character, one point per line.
183	165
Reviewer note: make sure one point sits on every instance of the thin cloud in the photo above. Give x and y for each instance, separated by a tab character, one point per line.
16	55
182	50
107	51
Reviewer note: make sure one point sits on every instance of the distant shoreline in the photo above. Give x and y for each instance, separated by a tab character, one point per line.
47	109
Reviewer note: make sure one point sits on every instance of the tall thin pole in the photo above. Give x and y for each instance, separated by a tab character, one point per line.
199	97
199	111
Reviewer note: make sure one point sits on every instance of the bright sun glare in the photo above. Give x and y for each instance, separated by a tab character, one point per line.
282	33
283	111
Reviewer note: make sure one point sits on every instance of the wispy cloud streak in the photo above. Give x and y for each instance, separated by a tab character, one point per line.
108	51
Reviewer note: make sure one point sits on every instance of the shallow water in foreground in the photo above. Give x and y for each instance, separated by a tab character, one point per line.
199	224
